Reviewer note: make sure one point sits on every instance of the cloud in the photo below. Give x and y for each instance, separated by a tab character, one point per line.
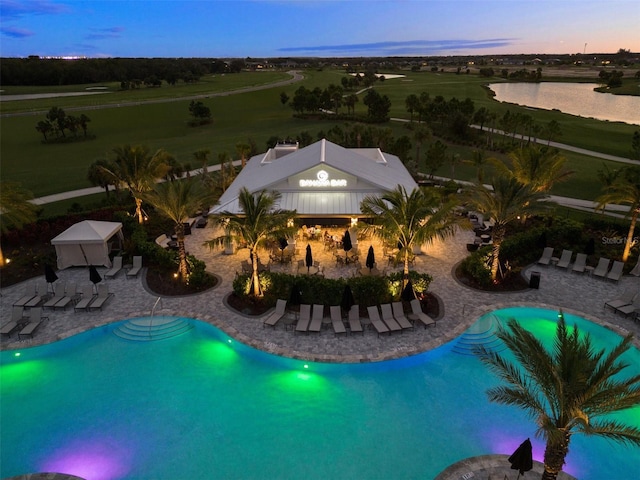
15	32
405	47
104	33
12	9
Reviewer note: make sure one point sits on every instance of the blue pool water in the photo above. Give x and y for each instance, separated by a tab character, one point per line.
201	406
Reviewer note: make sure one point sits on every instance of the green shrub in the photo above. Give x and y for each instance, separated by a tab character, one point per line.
476	267
420	282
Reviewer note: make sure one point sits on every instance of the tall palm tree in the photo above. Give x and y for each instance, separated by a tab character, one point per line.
566	389
506	202
539	167
626	191
480	160
177	201
260	220
138	169
15	209
409	219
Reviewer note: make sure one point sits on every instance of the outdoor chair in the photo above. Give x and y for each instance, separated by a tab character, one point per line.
616	271
58	295
86	298
41	295
398	314
137	266
35	319
580	263
28	294
625	299
273	319
387	318
16	321
546	256
336	320
602	268
376	321
354	319
101	299
565	259
305	318
115	268
316	318
418	314
70	294
627	310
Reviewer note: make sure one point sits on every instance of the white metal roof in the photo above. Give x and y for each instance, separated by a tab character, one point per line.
377	172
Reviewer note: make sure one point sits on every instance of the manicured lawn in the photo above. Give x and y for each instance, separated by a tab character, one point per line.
47	169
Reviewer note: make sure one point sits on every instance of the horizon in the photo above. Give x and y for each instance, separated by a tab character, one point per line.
315	28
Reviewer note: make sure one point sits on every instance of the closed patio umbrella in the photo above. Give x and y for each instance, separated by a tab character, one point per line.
94	276
522	458
308	259
371	258
408	293
283	244
346	243
50	275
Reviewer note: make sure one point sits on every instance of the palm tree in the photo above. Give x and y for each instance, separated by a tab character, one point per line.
538	167
479	160
625	191
409	219
506	202
566	389
260	220
15	209
420	135
177	201
138	170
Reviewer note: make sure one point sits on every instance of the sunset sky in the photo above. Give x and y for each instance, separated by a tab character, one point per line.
320	28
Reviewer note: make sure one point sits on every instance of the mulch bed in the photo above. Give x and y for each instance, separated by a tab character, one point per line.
162	282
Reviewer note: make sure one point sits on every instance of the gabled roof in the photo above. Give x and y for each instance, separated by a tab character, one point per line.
381	171
88	231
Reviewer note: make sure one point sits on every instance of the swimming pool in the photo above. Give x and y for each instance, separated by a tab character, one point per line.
201	406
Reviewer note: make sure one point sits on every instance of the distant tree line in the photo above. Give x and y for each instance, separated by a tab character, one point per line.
131	71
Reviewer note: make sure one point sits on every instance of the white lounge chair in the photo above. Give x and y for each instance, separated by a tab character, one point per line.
86	298
387	317
29	293
58	294
546	256
354	319
336	320
316	318
625	299
273	319
35	319
70	294
627	310
378	324
418	314
398	314
602	268
580	263
41	295
616	271
115	268
565	259
17	319
101	299
305	318
137	266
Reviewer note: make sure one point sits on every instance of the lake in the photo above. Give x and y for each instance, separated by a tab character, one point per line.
573	98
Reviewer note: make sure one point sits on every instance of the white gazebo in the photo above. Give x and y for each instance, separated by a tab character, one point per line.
86	243
323	182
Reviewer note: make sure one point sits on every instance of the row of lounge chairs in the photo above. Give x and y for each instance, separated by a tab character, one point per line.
390	318
117	267
602	270
25	325
626	304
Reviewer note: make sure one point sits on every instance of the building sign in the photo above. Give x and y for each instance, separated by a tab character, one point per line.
322	180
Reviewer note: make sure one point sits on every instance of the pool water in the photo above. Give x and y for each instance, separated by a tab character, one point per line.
201	406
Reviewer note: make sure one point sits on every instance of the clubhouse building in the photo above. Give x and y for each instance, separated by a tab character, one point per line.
324	182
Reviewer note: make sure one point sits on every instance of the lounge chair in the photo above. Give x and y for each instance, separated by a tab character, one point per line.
625	299
70	294
41	295
627	310
16	321
565	259
336	320
101	299
387	317
137	266
354	319
602	268
546	256
115	268
316	318
580	263
378	324
86	298
273	319
305	318
58	294
398	314
418	314
29	293
616	271
35	319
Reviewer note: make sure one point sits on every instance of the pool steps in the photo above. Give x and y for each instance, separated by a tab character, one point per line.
147	329
483	332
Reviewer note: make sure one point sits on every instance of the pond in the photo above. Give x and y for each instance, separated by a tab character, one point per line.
572	98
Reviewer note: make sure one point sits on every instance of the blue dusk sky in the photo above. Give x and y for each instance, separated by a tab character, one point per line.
319	28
